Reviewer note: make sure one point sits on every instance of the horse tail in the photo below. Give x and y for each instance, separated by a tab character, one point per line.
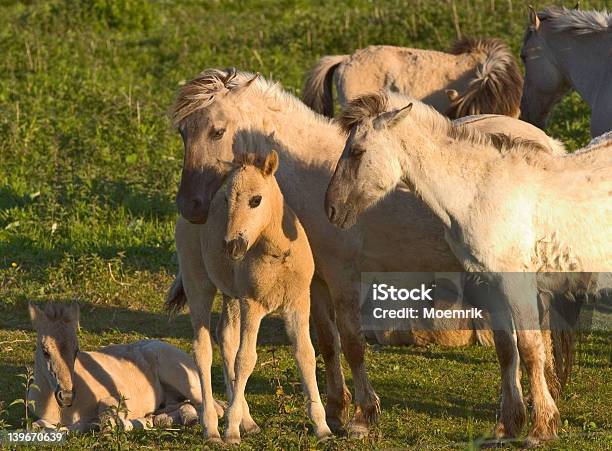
176	298
497	86
318	86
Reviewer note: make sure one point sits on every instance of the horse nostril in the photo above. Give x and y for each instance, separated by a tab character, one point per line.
331	212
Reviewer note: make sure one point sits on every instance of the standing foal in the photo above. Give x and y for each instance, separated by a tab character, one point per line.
257	252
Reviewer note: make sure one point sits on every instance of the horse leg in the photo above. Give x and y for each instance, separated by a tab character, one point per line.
488	296
522	294
367	403
297	325
251	314
228	336
328	340
200	293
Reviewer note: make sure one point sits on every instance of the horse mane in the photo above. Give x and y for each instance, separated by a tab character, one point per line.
361	108
200	92
598	142
577	21
55	311
371	105
498	84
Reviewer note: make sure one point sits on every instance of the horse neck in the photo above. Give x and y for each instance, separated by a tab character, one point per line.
444	172
586	64
310	138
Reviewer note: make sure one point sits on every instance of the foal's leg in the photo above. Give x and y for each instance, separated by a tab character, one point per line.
200	294
367	403
328	340
522	295
297	326
251	314
228	336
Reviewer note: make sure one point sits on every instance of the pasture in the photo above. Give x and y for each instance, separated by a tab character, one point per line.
89	167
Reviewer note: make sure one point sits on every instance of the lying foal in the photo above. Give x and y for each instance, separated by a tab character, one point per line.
77	389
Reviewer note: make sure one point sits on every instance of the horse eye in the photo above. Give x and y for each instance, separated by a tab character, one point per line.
357	151
46	354
254	201
218	134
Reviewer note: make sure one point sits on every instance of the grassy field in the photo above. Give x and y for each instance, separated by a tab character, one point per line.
89	167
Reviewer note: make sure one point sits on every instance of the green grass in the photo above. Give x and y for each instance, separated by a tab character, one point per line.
89	167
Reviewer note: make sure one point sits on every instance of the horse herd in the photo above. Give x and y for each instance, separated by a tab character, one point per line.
282	208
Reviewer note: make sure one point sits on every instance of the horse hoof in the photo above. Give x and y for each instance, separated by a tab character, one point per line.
250	429
323	435
336	426
232	439
213	439
357	431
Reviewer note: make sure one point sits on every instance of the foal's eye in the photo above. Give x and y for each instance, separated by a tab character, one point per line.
218	134
357	151
254	201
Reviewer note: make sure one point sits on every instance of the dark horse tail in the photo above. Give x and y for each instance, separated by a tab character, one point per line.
560	325
176	298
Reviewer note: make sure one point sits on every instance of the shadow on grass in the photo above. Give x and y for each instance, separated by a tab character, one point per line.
98	319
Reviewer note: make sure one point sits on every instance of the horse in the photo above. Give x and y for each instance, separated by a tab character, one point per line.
478	76
257	254
211	111
563	49
77	389
511	213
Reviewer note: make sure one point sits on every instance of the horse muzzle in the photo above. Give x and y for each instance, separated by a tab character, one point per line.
64	398
236	248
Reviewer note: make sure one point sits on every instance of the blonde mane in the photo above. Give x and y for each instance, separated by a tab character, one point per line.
577	21
372	105
498	84
200	92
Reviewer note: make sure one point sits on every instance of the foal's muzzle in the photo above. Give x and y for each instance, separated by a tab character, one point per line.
63	397
236	248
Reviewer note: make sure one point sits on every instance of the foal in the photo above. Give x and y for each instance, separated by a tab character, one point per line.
159	382
256	251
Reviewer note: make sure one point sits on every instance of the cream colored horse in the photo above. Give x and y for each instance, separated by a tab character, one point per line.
512	210
76	388
478	76
215	109
256	252
563	49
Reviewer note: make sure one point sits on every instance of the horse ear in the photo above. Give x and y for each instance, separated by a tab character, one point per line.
244	86
534	20
452	94
35	314
395	117
270	164
75	313
577	6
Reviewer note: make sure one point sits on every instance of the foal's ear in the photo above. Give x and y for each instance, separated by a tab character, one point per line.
270	164
244	86
35	314
452	94
75	315
392	118
534	20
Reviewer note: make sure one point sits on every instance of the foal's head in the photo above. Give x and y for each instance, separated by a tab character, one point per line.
252	195
57	346
368	168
